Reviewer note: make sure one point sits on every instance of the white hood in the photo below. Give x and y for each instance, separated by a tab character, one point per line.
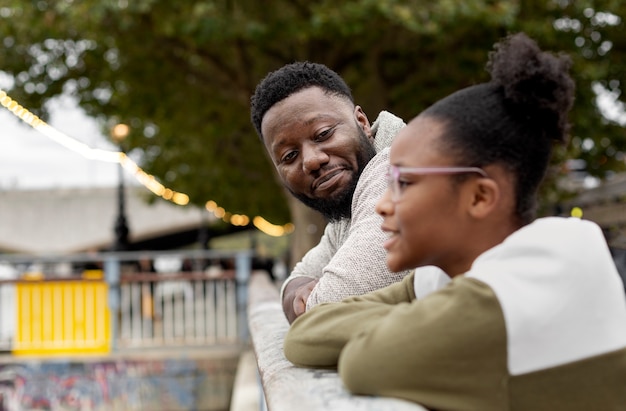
560	292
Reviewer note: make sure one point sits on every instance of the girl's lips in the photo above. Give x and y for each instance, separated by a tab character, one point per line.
389	242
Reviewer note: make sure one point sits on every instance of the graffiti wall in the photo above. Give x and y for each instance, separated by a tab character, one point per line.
118	384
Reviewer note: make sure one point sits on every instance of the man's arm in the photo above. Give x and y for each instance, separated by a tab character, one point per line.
305	275
359	264
350	260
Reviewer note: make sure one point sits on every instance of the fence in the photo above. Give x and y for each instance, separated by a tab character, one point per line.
178	309
95	303
7	314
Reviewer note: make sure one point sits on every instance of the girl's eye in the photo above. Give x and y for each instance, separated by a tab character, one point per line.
402	184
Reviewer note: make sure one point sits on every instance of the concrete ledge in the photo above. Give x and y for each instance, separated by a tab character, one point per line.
287	387
246	395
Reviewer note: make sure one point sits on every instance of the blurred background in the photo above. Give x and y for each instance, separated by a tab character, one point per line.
180	75
168	84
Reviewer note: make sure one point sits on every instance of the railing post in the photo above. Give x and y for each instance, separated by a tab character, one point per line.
243	268
112	276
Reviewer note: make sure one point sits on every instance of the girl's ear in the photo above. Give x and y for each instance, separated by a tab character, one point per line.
485	197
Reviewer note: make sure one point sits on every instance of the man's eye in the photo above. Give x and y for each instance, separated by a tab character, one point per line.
289	157
324	134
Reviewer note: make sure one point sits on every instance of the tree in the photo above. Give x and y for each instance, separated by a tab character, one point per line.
181	73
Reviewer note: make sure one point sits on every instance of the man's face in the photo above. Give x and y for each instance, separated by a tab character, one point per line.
319	144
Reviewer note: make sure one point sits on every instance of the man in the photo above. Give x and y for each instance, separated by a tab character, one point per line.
329	157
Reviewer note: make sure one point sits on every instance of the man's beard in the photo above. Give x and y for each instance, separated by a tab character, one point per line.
340	205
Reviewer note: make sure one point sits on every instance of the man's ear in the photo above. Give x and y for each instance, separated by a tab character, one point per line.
485	197
362	120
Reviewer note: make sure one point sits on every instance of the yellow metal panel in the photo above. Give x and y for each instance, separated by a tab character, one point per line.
68	306
58	314
79	313
35	312
46	313
62	317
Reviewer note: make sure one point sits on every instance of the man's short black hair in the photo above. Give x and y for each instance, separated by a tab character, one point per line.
289	79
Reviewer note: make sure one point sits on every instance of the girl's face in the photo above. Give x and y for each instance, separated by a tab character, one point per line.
426	216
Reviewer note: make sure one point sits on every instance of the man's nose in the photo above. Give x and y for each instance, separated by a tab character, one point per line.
313	158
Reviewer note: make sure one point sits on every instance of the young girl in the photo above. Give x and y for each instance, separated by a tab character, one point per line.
535	316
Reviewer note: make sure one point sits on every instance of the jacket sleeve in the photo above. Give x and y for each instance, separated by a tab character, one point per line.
317	337
446	351
452	341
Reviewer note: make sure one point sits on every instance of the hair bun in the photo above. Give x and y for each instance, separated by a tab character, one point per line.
536	82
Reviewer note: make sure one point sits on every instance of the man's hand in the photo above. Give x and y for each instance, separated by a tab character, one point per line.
295	295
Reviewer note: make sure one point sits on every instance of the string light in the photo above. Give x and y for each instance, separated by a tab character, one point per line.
272	229
145	179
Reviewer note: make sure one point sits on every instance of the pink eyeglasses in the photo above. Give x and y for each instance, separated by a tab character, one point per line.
394	173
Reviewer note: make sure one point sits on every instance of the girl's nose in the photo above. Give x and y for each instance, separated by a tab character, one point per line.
385	205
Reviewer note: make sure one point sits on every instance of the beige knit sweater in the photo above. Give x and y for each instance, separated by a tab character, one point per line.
349	259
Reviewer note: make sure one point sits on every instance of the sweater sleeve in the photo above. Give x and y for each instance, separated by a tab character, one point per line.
359	263
317	258
350	259
317	337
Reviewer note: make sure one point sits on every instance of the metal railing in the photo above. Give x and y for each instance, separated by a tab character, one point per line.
7	314
152	299
178	309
